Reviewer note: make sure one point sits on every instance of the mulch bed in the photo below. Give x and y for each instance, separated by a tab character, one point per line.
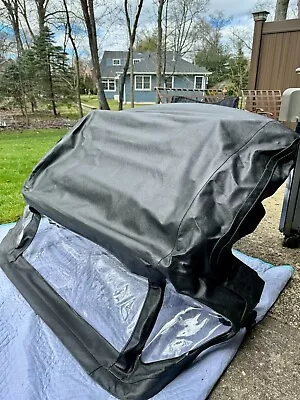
12	121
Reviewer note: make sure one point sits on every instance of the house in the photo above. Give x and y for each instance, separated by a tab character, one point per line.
179	74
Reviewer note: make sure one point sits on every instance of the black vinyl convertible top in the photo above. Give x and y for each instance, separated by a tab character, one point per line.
168	190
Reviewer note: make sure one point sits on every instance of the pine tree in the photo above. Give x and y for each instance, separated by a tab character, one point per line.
12	87
53	76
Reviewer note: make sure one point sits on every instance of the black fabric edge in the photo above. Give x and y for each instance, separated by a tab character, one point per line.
143	328
257	195
92	351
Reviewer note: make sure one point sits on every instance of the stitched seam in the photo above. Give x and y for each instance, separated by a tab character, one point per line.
124	349
221	338
60	319
251	205
202	187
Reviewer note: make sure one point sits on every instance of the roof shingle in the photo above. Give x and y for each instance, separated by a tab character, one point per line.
175	65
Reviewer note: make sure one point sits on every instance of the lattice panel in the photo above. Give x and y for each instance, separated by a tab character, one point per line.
264	102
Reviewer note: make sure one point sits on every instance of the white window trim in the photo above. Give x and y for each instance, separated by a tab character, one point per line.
173	80
203	82
109	79
143	90
116	59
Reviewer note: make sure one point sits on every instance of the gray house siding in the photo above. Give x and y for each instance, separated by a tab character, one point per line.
149	96
184	76
141	96
110	95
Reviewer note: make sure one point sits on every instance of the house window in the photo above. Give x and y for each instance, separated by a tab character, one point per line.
169	82
116	61
142	82
198	83
136	60
109	85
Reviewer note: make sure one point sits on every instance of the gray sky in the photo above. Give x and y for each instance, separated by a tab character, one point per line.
239	12
235	8
240	8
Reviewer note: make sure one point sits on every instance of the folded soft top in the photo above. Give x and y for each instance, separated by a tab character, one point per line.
168	189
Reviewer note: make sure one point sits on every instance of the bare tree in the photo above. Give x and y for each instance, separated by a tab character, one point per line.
6	43
281	9
131	35
89	18
185	20
12	7
77	61
41	6
23	4
165	40
159	46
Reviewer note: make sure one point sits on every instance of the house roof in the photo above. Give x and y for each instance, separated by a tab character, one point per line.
147	65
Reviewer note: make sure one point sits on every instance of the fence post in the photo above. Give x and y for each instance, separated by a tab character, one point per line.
259	19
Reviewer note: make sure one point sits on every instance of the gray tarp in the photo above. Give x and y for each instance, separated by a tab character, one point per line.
44	367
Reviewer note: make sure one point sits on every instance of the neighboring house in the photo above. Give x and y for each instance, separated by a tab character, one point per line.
179	74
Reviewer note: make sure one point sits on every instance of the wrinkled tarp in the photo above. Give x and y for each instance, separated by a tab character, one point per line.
45	368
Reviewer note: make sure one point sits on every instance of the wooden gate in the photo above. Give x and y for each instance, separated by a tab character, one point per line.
275	54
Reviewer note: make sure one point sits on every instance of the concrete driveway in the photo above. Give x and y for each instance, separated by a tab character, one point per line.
268	364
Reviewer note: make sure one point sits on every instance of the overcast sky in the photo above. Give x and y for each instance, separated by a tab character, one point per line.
234	8
241	9
239	13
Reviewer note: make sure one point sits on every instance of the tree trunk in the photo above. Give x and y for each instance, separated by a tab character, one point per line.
89	18
23	12
122	81
51	89
165	43
77	69
77	66
22	98
41	6
281	9
131	35
12	8
16	28
131	77
159	46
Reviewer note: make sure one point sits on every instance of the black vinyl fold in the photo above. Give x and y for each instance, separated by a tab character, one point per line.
167	190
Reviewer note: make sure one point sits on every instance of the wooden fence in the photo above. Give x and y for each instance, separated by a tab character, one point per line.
275	54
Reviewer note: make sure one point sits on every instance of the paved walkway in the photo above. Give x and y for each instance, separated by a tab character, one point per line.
268	364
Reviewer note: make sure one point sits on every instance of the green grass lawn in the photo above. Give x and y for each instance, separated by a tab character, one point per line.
19	152
92	100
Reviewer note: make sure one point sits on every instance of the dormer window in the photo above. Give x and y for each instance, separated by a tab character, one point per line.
116	61
136	60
